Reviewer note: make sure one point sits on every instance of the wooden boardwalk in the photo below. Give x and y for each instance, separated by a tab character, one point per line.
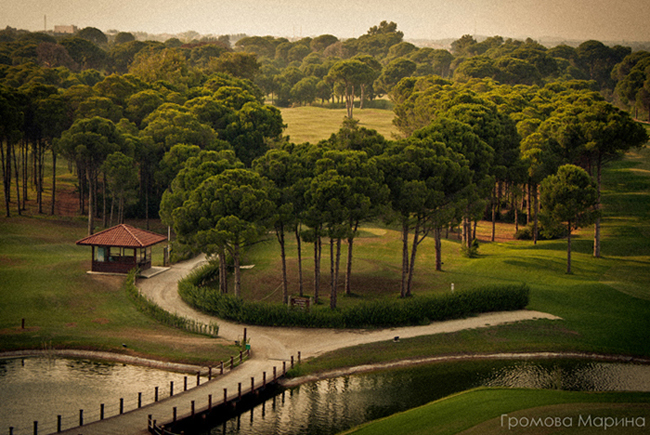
198	399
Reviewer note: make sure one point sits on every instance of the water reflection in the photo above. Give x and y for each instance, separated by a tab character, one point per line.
39	389
334	405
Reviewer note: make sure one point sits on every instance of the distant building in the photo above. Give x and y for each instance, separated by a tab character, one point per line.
65	29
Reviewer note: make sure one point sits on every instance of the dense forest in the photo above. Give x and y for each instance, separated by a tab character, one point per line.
188	131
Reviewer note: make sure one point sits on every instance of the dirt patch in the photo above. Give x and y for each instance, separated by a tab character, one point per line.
19	330
6	261
71	325
101	321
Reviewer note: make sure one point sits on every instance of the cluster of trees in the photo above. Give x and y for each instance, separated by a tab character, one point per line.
185	127
470	147
115	129
324	67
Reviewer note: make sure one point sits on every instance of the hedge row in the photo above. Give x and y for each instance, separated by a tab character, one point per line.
418	310
152	310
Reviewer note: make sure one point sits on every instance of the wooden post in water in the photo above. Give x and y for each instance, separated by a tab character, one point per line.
239	391
184	383
198	378
35	428
81	417
275	373
264	379
156	395
291	361
58	423
101	411
121	406
171	388
209	402
225	396
252	384
174	414
139	400
192	408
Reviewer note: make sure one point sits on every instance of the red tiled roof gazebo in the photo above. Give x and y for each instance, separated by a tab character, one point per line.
121	248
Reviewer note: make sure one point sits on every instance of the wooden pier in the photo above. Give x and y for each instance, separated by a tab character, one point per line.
206	400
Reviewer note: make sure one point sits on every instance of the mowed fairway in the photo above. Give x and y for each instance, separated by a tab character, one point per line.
313	124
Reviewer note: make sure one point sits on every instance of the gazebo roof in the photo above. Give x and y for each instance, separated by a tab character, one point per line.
123	236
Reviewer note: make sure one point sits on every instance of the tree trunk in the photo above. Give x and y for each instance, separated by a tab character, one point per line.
223	271
91	204
24	159
53	181
536	211
279	232
6	175
235	256
405	255
104	214
494	214
317	251
568	250
348	270
528	205
41	170
13	149
437	237
299	247
332	276
112	210
597	223
414	249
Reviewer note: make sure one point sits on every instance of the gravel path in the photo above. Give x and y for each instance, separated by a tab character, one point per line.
278	343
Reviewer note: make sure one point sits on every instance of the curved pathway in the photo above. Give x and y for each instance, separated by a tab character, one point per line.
271	347
280	343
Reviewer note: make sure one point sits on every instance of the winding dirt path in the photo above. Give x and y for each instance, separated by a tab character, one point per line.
279	343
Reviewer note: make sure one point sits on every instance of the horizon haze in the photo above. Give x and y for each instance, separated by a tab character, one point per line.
604	20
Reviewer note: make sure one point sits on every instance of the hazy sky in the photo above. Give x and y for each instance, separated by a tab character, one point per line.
603	20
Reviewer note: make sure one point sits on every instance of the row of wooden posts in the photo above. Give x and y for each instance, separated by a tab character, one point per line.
156	429
244	354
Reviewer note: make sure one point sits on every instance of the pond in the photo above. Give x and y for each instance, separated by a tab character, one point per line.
40	389
334	405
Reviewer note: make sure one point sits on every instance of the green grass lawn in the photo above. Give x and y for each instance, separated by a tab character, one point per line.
43	280
313	124
489	411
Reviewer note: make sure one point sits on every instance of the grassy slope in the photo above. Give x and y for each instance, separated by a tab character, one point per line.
43	280
484	408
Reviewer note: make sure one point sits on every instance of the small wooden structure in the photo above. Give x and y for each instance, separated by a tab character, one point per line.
121	248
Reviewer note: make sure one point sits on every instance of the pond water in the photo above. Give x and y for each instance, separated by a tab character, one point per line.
40	389
334	405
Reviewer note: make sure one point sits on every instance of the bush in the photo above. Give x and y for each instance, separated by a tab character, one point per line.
472	251
416	310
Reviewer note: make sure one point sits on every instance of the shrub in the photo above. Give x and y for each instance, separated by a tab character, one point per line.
471	251
416	310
